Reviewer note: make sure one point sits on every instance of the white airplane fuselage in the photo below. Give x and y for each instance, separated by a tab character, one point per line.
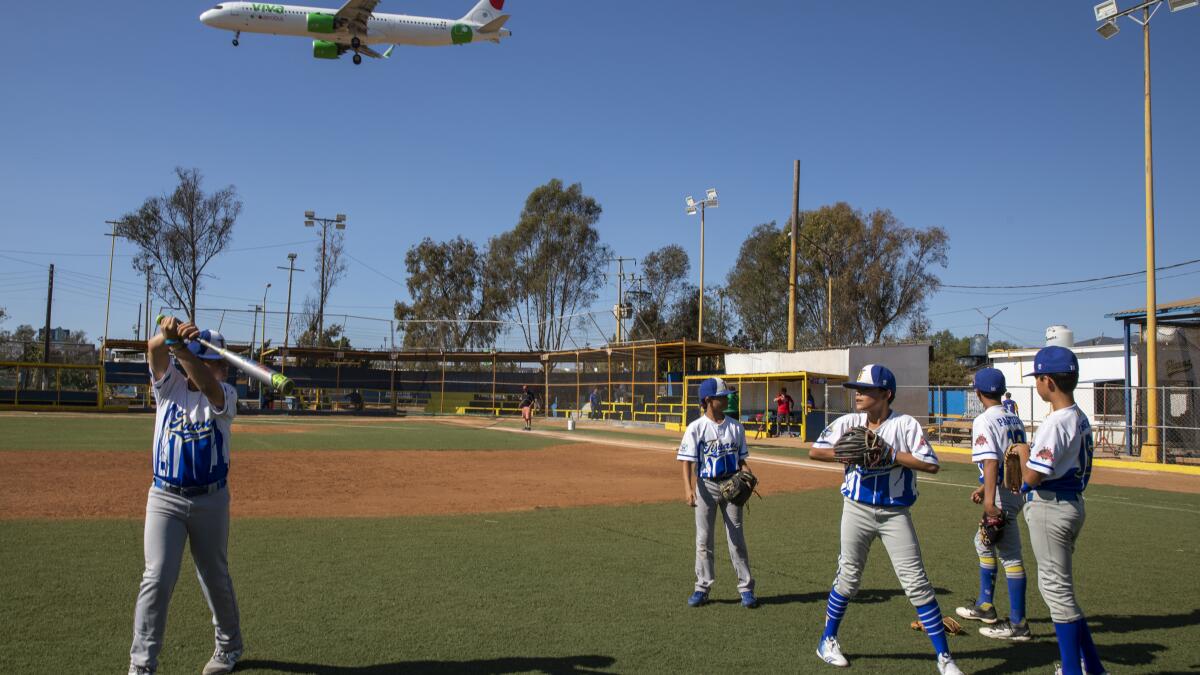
271	19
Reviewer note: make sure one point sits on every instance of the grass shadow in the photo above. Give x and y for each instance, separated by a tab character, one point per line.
550	665
1040	654
864	597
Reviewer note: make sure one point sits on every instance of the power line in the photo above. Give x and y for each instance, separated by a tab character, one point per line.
1077	281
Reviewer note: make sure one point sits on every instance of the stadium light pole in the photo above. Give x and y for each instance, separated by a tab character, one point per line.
262	345
709	201
1107	13
287	321
112	250
987	331
338	222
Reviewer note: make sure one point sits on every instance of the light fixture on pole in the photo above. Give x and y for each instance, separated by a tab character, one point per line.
287	321
339	223
709	202
1108	12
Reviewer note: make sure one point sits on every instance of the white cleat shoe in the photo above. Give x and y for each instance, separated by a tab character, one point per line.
1007	630
140	670
222	662
1082	666
830	652
946	665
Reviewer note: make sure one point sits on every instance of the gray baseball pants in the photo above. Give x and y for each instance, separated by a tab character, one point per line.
1008	549
172	520
708	502
861	524
1053	528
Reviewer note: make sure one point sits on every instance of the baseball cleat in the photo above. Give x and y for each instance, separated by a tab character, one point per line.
140	670
946	665
830	652
1007	630
1082	666
985	612
698	598
222	661
748	600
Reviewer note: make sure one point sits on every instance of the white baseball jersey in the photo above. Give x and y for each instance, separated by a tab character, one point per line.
718	449
1062	451
895	486
191	439
994	430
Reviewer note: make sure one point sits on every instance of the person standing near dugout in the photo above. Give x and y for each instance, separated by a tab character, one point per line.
783	410
994	430
712	450
876	504
1056	468
528	403
189	499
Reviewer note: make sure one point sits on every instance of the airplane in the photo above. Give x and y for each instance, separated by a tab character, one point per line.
356	26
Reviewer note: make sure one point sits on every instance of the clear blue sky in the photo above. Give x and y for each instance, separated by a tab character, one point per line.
1012	125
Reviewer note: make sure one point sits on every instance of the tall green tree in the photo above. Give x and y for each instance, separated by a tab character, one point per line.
454	306
664	278
180	233
757	287
552	263
945	349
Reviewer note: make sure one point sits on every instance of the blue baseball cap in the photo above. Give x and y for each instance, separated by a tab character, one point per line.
873	376
1054	360
213	337
713	387
990	381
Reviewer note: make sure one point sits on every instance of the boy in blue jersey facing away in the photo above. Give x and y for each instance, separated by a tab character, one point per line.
188	501
993	431
712	450
1056	468
876	504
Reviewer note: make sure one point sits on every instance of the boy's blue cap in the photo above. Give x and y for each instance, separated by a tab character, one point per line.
873	376
713	387
213	337
990	381
1053	360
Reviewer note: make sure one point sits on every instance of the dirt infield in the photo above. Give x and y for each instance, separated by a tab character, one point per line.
304	484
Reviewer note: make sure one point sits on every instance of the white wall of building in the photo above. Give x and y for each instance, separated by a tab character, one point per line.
1100	363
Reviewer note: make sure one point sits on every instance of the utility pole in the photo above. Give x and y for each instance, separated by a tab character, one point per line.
287	321
254	329
108	299
49	304
339	223
149	272
137	327
710	200
987	339
620	313
791	335
262	345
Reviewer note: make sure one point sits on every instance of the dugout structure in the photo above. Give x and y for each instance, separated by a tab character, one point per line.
757	409
636	382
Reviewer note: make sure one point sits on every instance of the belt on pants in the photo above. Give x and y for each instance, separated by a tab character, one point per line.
189	491
1051	496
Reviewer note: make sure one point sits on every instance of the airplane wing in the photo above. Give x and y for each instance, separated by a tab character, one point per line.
355	14
364	49
494	25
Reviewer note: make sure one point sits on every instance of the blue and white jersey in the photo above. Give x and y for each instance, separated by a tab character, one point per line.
1062	451
895	486
1010	406
718	449
191	439
994	430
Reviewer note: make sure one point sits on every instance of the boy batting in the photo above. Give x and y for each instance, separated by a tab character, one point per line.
188	500
879	488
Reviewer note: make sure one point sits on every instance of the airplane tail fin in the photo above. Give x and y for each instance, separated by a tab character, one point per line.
483	12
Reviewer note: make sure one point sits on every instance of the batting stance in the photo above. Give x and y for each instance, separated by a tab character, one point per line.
994	431
877	494
188	500
713	449
1056	468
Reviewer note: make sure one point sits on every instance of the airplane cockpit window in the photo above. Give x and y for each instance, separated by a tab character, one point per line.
218	7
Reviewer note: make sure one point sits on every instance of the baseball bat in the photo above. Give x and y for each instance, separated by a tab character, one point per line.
277	381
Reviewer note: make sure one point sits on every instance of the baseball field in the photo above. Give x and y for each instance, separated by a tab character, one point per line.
468	546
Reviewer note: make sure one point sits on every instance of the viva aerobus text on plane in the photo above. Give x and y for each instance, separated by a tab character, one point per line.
356	26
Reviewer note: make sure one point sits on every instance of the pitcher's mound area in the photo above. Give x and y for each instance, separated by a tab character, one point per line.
313	483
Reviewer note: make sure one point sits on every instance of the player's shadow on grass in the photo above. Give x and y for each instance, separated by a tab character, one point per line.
1041	654
551	665
864	597
1133	623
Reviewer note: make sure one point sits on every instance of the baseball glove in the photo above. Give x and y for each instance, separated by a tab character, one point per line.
862	447
737	488
991	528
1012	469
952	627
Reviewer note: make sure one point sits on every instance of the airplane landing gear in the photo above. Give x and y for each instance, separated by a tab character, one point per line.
357	59
235	38
355	43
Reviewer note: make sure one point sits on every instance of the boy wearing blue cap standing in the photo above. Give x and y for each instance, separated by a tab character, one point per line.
876	503
188	501
993	431
1056	468
712	450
